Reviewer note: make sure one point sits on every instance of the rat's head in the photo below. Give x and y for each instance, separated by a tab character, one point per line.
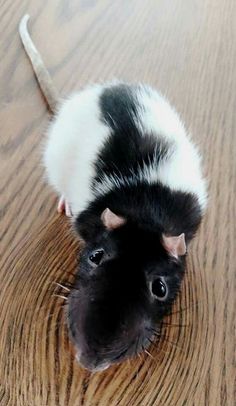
128	278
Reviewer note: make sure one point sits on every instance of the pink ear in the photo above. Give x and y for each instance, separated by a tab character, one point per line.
176	246
112	220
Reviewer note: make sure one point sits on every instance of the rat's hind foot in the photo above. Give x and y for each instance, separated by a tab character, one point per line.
63	207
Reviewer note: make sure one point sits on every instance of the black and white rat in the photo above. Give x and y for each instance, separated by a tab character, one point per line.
119	157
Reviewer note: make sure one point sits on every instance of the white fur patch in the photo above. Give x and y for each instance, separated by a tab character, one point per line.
74	139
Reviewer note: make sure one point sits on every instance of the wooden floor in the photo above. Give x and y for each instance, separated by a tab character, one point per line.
187	49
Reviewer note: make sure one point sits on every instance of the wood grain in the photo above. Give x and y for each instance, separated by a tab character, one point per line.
187	49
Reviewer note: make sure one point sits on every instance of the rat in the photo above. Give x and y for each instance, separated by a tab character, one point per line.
128	174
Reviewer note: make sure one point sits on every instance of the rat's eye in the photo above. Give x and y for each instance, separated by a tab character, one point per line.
159	289
96	256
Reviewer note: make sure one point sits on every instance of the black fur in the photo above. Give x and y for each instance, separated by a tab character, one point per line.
127	149
112	313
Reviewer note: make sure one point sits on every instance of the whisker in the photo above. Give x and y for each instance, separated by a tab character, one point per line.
61	286
121	354
163	338
157	333
148	353
137	345
70	285
61	296
150	341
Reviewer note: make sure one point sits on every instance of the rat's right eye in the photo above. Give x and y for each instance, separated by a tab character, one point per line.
96	256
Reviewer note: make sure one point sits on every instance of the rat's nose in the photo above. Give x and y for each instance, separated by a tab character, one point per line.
91	363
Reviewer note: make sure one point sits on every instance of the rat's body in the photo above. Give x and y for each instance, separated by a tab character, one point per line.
132	119
120	157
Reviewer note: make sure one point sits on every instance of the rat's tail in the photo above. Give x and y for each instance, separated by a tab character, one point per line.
41	73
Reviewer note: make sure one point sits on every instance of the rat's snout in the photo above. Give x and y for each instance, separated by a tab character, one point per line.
92	352
97	348
104	329
91	362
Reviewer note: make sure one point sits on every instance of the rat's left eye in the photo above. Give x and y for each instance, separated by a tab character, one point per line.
96	256
159	289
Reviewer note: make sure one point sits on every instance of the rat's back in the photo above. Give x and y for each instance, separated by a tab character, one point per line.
116	134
